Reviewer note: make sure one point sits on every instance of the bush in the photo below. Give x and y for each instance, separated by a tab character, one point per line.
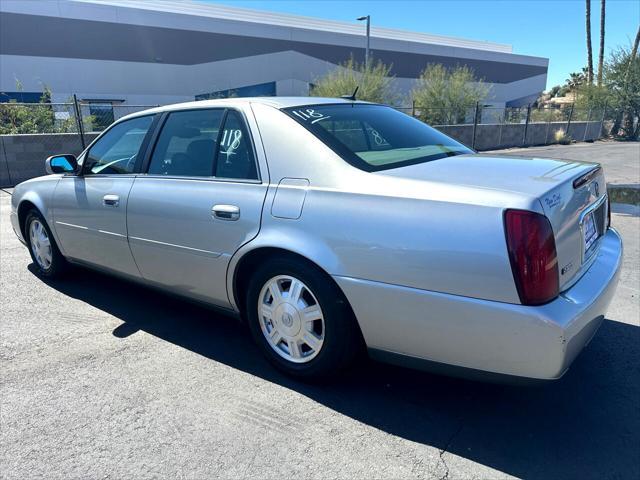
562	137
374	82
33	117
548	115
446	96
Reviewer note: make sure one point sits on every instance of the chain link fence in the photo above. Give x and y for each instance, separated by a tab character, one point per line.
469	124
484	127
29	132
75	118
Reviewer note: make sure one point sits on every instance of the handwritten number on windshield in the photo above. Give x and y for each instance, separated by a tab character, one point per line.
309	114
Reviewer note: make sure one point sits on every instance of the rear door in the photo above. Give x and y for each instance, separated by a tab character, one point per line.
90	209
199	201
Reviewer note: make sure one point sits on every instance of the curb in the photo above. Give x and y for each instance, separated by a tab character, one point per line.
620	193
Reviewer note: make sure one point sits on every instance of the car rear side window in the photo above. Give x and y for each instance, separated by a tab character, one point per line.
187	144
235	158
116	151
375	137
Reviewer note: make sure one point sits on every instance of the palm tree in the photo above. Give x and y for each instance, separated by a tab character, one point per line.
589	50
634	51
601	53
632	57
576	79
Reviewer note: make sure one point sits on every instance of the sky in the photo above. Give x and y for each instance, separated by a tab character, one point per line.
554	29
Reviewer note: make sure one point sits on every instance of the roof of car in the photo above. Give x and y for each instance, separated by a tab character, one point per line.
277	102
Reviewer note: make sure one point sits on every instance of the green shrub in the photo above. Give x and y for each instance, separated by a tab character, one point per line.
446	96
374	82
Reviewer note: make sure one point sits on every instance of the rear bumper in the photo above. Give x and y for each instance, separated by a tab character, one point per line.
534	342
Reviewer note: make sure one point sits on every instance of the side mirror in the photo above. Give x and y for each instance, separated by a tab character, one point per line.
66	163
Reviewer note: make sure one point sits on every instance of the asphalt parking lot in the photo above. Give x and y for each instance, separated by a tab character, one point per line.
620	160
101	378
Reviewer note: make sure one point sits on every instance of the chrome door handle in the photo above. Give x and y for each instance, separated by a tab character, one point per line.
111	200
226	212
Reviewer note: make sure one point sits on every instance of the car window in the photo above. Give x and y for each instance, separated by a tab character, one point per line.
117	150
235	158
375	137
186	146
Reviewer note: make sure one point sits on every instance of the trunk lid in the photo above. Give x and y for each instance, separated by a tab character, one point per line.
572	195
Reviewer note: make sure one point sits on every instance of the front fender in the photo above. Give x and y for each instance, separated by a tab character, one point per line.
39	192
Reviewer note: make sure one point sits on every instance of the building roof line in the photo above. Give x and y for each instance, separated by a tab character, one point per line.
297	21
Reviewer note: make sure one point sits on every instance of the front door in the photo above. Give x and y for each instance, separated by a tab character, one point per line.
200	201
90	210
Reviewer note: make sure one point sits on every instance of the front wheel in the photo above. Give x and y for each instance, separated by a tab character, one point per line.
300	319
44	252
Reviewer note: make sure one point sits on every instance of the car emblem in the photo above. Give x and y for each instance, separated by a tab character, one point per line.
597	188
287	319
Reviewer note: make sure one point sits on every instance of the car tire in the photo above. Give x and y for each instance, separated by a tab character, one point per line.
310	347
44	251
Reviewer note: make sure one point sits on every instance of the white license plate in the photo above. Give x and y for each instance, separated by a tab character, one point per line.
590	231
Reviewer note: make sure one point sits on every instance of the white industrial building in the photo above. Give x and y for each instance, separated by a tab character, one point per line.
158	52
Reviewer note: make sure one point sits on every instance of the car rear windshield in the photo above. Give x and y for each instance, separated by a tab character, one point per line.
375	137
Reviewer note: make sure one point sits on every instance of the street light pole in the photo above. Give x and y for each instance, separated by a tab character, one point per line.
366	52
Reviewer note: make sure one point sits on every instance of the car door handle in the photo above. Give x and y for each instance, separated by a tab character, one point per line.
111	200
226	212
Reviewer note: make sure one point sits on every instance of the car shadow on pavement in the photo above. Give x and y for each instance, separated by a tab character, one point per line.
586	425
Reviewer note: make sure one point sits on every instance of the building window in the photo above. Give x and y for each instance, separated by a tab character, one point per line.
259	90
101	115
22	97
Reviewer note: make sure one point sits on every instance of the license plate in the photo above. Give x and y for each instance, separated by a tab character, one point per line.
590	231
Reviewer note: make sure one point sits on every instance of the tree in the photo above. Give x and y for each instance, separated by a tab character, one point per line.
632	92
31	118
554	92
18	118
374	82
601	52
634	49
589	50
444	96
576	79
622	80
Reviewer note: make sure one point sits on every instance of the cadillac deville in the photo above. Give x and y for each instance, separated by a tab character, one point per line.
331	226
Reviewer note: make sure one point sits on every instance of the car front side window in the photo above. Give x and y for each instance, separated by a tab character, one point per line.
187	144
117	150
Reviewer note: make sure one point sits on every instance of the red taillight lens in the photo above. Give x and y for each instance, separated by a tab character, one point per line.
532	251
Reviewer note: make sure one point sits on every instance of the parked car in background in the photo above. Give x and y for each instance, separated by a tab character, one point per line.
331	225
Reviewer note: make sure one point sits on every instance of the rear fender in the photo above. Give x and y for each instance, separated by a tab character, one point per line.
284	238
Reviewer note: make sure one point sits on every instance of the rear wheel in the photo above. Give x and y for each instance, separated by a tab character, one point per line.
300	319
44	252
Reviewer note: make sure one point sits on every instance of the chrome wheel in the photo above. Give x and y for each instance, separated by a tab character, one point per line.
291	319
40	244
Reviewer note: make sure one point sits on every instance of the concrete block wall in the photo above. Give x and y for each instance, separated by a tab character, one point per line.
22	156
462	133
497	136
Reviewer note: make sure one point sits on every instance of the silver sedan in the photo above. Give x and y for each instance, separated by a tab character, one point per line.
335	227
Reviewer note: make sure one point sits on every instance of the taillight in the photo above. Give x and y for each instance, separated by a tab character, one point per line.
532	252
608	211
